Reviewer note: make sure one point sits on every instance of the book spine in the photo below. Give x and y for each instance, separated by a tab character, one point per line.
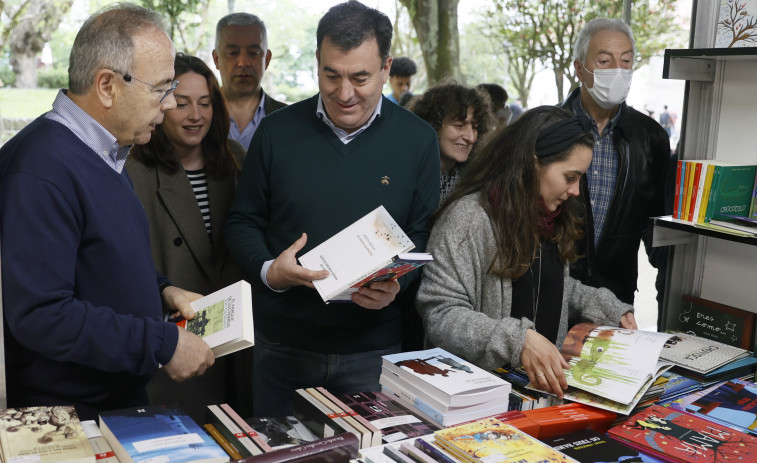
694	190
706	193
225	444
677	191
336	449
345	420
396	455
436	453
231	431
422	406
687	189
375	432
311	413
263	445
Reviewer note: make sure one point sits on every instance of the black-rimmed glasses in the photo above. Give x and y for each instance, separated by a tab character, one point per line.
128	78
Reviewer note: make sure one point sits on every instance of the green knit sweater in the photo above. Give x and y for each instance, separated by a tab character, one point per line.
299	177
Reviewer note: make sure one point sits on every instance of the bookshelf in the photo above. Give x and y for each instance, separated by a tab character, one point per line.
719	117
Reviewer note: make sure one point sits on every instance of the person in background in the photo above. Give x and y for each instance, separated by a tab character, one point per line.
405	98
297	191
242	56
625	184
460	116
500	108
400	78
185	178
516	109
84	325
498	291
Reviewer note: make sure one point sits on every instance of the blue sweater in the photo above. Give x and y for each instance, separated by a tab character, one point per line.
299	177
83	315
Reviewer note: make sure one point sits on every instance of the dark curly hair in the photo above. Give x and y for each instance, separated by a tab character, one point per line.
505	177
403	67
450	101
217	156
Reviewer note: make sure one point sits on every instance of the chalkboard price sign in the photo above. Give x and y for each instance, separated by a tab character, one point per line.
719	322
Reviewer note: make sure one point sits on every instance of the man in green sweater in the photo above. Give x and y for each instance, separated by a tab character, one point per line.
312	169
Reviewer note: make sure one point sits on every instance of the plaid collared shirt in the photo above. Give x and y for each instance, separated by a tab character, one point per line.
603	170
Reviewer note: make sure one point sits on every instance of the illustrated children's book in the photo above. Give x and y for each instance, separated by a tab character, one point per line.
165	434
43	435
223	319
676	436
372	249
733	404
611	367
699	354
491	441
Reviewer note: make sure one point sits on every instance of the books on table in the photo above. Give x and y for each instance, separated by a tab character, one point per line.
164	433
732	403
281	432
675	436
374	248
103	451
698	354
43	435
223	319
589	446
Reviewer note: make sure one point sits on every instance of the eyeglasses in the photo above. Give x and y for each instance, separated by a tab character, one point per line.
128	78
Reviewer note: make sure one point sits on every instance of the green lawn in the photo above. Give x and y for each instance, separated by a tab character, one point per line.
17	103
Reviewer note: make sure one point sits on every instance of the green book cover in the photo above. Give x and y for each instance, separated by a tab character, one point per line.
753	209
731	191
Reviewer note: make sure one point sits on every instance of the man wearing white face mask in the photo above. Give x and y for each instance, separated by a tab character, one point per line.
625	181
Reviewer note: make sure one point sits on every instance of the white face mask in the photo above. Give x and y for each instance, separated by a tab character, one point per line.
611	86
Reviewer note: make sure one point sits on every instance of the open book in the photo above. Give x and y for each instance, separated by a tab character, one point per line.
372	249
611	367
223	319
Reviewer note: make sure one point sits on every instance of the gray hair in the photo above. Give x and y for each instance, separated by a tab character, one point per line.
105	41
596	25
240	19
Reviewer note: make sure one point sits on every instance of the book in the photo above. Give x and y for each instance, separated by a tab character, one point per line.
745	224
342	448
359	252
589	446
231	431
227	446
677	191
699	354
353	426
100	446
695	190
675	436
753	206
281	432
246	428
733	404
690	167
317	417
445	377
706	193
43	435
396	420
223	319
731	191
375	432
611	367
491	441
165	433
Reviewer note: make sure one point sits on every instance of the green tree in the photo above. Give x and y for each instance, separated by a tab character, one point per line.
435	23
405	43
187	21
538	32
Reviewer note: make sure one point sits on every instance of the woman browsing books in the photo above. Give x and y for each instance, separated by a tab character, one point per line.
499	290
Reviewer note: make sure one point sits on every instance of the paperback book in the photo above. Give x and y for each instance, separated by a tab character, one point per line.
164	433
281	432
589	446
366	251
43	435
733	404
342	448
698	354
223	319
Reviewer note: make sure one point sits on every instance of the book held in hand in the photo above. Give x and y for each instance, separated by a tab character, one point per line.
43	435
164	433
372	249
223	319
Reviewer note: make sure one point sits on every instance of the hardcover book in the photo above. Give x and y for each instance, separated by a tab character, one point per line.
731	191
733	404
676	436
589	446
164	433
43	435
223	319
356	256
448	379
491	441
699	354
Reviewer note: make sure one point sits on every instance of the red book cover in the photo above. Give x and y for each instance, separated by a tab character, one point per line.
694	192
676	436
676	213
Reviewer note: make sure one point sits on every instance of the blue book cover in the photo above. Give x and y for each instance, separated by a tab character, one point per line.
164	433
733	404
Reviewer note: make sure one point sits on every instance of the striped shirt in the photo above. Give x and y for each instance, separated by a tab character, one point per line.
603	170
199	181
88	130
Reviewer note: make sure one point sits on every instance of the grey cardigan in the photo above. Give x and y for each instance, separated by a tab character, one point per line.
466	310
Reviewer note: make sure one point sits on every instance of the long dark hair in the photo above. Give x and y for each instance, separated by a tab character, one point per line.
505	177
218	157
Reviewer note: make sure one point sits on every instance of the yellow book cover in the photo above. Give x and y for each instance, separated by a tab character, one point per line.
491	441
690	168
706	193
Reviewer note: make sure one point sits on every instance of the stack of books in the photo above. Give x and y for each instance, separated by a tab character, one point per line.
443	386
521	397
705	359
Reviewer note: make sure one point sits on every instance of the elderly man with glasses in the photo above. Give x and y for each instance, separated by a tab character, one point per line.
83	304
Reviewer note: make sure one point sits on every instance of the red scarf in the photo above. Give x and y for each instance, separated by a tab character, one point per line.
547	219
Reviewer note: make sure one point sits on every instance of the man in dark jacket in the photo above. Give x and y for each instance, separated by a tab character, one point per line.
624	185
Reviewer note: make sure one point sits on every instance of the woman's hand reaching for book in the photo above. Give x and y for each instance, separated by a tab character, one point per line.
544	363
628	321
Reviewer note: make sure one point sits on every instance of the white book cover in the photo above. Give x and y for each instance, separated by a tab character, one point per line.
448	378
355	252
699	354
223	319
